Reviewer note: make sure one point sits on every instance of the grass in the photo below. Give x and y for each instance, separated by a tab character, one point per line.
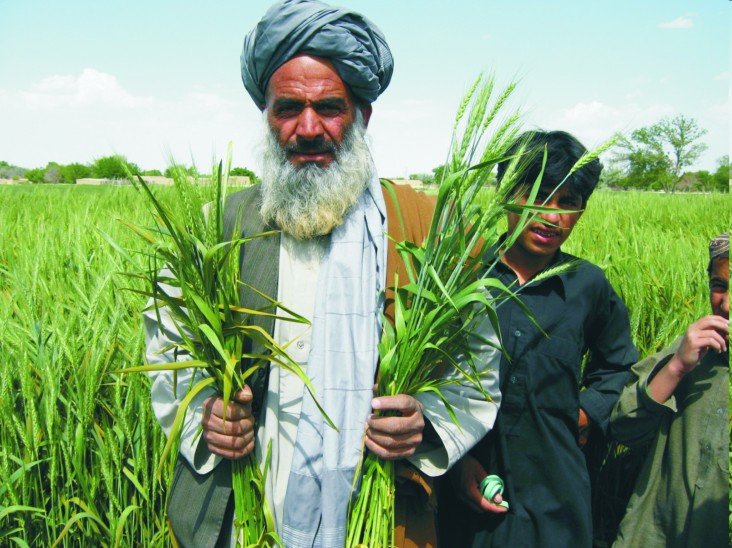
79	445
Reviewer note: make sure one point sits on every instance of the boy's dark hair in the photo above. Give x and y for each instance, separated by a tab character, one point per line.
563	151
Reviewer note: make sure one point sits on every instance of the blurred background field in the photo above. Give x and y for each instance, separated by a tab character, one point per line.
79	445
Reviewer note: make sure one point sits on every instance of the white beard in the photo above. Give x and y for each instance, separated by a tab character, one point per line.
310	201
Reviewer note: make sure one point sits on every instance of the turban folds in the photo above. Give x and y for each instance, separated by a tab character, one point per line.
719	246
355	46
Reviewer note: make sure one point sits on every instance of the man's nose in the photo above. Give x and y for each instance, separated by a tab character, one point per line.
309	125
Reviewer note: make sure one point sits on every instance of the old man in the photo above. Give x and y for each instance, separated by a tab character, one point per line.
314	70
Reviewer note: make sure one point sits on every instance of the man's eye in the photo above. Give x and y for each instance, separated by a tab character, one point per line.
286	112
329	111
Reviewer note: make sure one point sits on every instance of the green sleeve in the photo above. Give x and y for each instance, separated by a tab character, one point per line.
637	417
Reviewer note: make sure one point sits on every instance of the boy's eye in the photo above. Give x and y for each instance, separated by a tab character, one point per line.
570	203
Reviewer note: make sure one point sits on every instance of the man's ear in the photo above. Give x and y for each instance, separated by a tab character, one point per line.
366	113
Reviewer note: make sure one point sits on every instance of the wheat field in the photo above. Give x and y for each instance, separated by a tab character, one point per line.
78	443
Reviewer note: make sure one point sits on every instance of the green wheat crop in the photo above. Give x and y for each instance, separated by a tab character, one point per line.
79	445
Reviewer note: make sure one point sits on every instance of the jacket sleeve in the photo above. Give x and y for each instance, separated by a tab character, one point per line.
611	355
637	417
168	389
475	414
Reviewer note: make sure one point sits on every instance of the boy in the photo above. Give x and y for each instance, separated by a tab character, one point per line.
678	403
549	403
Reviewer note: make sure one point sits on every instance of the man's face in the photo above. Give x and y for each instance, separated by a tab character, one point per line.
309	109
543	236
719	287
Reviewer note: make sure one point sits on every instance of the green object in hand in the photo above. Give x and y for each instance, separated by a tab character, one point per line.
490	487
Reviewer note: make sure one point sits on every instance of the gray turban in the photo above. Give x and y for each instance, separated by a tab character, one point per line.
355	46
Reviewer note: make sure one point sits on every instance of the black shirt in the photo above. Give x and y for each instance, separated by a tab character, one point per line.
533	445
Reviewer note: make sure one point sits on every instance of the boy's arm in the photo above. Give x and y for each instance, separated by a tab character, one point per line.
611	355
637	417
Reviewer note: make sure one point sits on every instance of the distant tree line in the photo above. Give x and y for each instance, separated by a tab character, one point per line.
106	167
656	157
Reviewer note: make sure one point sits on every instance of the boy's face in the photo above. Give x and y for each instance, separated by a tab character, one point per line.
719	287
544	235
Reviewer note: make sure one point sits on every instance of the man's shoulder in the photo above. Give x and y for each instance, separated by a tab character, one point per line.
250	193
242	211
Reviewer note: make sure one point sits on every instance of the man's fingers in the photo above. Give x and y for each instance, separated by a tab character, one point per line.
387	453
231	428
229	453
406	405
234	411
244	396
225	442
395	443
396	426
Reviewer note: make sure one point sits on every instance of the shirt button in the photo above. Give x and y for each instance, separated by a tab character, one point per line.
720	411
513	379
517	333
301	344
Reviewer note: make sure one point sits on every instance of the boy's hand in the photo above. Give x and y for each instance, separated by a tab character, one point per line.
708	332
466	476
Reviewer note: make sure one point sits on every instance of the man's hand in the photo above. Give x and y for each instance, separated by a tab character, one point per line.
709	332
466	476
232	437
395	437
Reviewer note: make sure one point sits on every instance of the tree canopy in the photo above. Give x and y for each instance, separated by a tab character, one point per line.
656	156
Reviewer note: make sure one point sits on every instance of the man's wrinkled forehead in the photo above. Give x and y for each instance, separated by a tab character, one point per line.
307	74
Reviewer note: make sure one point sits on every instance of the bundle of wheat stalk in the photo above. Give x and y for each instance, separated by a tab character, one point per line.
193	274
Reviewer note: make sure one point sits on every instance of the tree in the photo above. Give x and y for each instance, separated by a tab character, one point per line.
613	176
70	173
438	171
657	155
153	172
9	171
245	172
35	175
52	173
426	178
721	176
113	167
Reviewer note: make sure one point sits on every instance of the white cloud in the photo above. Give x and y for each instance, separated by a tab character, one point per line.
683	22
75	118
91	87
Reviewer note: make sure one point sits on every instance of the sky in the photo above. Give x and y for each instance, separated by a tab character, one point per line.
155	79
